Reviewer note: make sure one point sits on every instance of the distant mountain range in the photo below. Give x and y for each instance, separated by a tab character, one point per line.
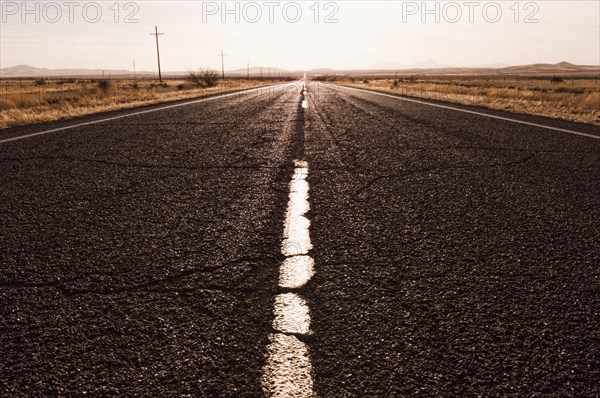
562	68
427	64
31	71
425	67
265	70
430	64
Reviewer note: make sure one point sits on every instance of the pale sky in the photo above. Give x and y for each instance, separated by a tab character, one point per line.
366	33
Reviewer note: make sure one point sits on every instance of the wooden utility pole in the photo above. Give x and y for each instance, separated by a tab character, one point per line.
222	64
157	51
248	70
261	75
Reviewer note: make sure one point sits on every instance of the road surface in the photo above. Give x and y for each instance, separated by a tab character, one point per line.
453	254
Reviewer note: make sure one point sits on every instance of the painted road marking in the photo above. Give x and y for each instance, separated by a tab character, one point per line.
304	93
296	271
291	314
476	113
288	372
296	235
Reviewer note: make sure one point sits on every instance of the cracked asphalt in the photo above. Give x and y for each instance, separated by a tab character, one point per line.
455	255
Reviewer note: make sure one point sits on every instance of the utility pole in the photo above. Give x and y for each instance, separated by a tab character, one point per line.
157	50
248	71
261	76
222	64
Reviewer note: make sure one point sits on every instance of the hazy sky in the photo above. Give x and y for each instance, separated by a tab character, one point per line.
366	33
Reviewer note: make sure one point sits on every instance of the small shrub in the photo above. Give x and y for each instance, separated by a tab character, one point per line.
203	77
40	82
365	81
193	77
210	77
180	86
104	84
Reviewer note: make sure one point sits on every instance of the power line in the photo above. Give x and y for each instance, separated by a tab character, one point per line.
157	51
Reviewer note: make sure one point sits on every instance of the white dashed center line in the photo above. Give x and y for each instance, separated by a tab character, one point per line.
296	271
288	372
291	314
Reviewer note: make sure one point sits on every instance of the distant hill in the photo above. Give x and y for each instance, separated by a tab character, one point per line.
427	64
562	68
496	65
265	70
431	64
31	71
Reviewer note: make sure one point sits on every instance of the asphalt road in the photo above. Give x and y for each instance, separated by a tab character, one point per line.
454	254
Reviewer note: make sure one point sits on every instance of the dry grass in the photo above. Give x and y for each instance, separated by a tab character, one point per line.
575	100
26	101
